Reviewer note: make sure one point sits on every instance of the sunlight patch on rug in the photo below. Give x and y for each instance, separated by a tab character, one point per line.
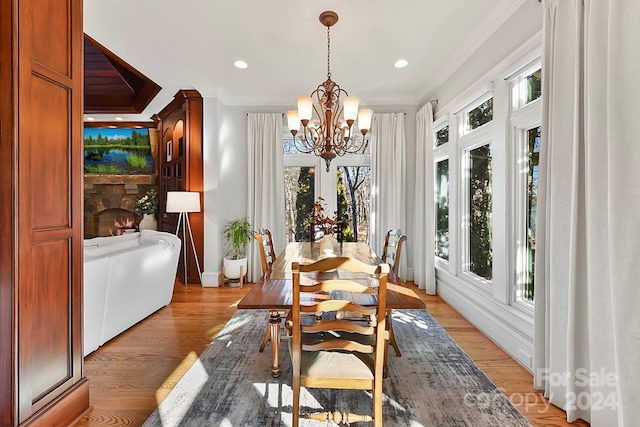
189	387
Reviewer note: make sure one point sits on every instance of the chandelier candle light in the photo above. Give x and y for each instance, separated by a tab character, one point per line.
328	135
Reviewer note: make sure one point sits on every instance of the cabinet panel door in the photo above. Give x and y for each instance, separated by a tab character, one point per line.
48	218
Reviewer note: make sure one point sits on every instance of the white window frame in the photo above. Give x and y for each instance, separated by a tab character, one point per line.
463	115
468	140
441	153
477	138
522	117
518	85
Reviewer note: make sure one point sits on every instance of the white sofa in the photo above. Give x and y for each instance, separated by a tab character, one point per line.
126	278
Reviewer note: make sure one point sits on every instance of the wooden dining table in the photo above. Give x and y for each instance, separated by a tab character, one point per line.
273	292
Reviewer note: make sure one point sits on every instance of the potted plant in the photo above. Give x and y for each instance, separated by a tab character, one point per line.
237	234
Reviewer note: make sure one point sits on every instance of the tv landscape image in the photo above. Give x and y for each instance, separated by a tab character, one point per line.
124	151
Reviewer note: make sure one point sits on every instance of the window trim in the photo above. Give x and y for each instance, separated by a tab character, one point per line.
437	159
519	211
463	114
466	143
515	80
438	125
521	118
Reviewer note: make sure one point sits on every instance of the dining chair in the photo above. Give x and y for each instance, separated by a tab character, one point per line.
391	255
338	353
267	253
267	256
393	248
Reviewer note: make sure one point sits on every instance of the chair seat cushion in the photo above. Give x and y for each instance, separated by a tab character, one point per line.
342	364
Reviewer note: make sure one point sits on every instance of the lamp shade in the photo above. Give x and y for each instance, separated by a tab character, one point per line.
293	121
183	201
305	107
364	119
351	104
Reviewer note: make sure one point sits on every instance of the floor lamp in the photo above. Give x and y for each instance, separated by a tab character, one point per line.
183	202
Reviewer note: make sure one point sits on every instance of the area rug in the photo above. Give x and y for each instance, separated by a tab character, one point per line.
433	383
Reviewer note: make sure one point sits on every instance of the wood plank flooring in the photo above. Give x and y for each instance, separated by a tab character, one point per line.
132	374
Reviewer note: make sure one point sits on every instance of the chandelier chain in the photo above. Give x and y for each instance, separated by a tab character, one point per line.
328	53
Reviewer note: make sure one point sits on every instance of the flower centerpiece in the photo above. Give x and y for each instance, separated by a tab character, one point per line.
147	205
322	222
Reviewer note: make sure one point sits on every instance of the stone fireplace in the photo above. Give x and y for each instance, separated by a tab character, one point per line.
109	209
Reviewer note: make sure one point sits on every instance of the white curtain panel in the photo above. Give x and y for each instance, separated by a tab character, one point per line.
266	205
424	273
388	189
587	281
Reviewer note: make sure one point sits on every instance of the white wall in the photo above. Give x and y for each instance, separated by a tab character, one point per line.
523	24
225	175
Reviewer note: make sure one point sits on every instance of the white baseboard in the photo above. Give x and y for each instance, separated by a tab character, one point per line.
506	326
210	279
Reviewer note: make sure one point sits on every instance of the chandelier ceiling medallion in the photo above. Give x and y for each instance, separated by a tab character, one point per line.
326	133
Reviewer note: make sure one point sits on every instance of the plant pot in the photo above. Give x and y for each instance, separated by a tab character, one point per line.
232	267
148	222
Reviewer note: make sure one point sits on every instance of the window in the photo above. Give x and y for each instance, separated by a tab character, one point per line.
479	183
441	190
354	193
533	139
480	115
533	86
476	151
442	209
525	118
526	86
442	136
346	191
299	197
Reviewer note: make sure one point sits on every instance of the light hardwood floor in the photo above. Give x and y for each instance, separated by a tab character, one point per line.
132	373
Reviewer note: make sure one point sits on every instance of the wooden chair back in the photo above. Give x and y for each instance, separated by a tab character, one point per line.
267	253
338	353
393	248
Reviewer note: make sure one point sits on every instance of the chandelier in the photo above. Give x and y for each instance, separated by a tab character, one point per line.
327	134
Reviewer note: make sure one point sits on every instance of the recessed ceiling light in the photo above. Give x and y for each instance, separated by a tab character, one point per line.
401	63
240	64
119	118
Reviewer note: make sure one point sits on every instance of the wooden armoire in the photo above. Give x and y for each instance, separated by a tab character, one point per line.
180	131
41	217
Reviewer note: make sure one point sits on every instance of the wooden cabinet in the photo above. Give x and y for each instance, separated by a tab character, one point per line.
181	168
41	218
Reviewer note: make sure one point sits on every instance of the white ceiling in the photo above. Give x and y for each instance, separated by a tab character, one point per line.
193	44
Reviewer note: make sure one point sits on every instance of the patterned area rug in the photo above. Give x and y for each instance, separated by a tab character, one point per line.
434	383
